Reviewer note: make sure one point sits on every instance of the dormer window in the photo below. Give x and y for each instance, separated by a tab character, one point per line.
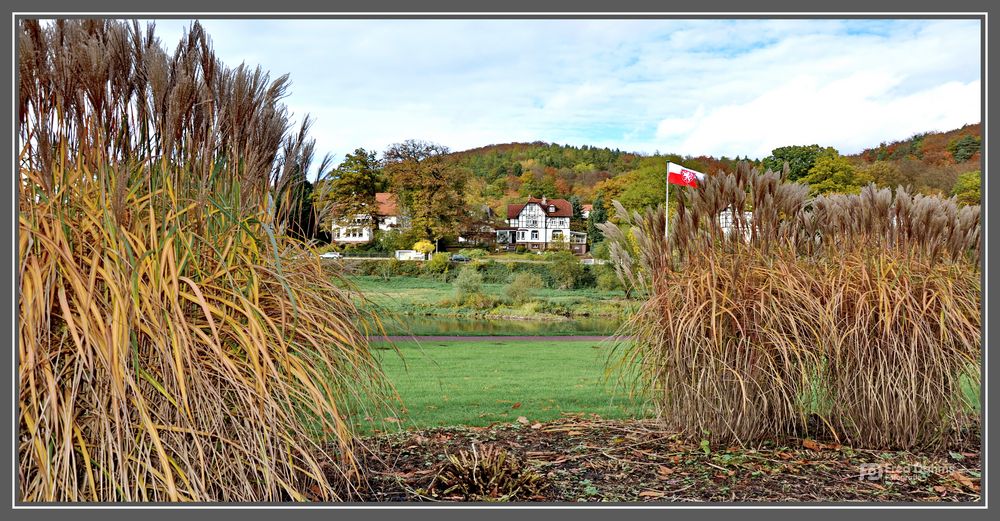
552	208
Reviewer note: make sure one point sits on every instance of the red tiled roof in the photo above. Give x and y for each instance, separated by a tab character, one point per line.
388	204
563	208
587	207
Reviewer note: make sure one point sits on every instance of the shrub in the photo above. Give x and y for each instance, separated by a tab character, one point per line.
523	287
520	248
861	310
439	264
600	251
480	301
495	272
968	188
607	280
487	473
567	271
474	253
174	344
468	282
389	241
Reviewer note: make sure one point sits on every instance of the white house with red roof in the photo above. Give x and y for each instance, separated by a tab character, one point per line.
541	224
360	231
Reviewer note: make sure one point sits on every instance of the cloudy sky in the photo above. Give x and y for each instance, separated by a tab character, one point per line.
720	87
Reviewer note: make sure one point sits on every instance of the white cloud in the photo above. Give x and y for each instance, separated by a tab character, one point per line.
734	87
848	114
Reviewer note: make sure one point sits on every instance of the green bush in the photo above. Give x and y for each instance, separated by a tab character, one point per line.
473	253
385	268
968	188
479	301
390	240
495	272
600	251
439	264
520	248
607	280
542	270
566	270
468	283
523	287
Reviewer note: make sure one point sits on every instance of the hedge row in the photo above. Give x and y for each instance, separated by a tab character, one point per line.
553	274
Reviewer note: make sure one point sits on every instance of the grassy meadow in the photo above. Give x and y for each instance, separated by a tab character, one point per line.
482	382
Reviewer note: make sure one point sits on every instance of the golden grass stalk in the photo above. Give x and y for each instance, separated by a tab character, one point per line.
174	344
854	317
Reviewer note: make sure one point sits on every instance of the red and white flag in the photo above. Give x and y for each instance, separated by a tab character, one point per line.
678	175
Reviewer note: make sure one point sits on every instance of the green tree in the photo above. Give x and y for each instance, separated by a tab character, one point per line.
968	188
598	215
884	173
576	223
429	187
646	185
800	159
349	190
963	148
834	174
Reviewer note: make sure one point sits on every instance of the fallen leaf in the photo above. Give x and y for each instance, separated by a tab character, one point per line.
940	488
651	493
964	480
522	420
574	433
812	445
392	419
516	405
664	471
536	426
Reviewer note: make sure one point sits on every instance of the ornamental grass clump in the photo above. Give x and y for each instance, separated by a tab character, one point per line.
174	344
486	473
855	317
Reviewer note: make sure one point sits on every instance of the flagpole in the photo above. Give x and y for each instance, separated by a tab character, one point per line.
666	207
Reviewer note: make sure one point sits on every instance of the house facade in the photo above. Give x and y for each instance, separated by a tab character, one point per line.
541	224
361	230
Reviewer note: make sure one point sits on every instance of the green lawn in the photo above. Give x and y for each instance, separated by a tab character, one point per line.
478	383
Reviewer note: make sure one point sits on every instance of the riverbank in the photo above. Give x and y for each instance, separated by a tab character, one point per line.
419	296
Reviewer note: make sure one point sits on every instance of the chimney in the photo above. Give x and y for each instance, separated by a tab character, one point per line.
543	200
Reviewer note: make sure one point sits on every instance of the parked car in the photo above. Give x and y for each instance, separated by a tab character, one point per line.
332	255
458	257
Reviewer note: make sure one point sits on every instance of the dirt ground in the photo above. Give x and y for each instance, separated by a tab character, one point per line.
594	460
